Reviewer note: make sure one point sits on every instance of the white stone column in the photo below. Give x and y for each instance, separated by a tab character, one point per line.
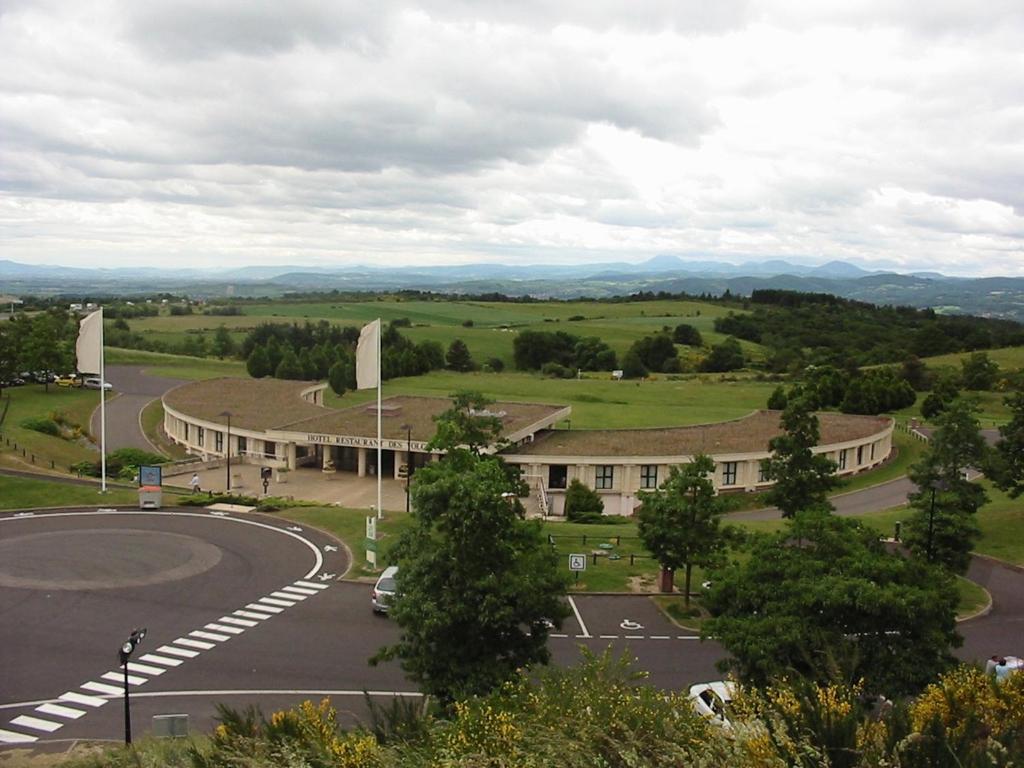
291	455
361	454
328	460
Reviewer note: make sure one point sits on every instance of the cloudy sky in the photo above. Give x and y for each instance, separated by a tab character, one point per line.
230	132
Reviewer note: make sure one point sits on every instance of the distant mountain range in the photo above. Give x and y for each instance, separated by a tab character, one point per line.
989	297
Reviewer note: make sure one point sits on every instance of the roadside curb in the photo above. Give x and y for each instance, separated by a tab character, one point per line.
997	561
985	610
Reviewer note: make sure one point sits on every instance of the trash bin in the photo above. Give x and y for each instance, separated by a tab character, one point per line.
150	497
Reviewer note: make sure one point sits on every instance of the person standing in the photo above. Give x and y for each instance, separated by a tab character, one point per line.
194	482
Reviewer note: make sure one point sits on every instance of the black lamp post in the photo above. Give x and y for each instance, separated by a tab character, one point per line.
227	451
124	653
408	462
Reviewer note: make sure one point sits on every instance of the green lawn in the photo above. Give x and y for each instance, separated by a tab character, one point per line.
176	366
1007	358
596	402
23	493
152	418
34	401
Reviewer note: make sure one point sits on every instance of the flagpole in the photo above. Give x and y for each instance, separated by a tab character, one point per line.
103	413
380	376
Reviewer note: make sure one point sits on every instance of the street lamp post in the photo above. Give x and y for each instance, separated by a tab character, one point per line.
408	462
124	653
227	451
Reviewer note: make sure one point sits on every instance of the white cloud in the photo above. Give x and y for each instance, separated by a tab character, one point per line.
262	132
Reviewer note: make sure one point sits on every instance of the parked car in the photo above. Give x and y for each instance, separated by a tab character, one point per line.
93	382
68	381
384	590
712	700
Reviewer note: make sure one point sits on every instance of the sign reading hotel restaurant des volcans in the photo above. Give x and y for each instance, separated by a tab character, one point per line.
365	442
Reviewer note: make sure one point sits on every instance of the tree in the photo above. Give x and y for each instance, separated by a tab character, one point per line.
680	524
656	352
258	364
46	349
915	373
943	527
777	400
289	367
582	504
632	366
687	335
458	358
943	393
727	356
338	376
824	599
1006	464
223	345
592	354
802	478
477	586
469	424
978	373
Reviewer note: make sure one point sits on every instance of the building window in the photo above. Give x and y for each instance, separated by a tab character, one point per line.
218	442
604	477
762	473
558	475
243	445
200	436
269	449
842	459
649	476
729	469
860	455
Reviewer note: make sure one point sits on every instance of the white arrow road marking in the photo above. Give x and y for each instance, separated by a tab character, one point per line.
330	548
218	513
24	514
322	577
294	528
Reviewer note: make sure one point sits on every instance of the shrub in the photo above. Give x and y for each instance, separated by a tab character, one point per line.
496	364
557	371
582	504
43	424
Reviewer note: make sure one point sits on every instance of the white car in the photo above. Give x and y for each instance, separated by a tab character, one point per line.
384	590
712	700
93	382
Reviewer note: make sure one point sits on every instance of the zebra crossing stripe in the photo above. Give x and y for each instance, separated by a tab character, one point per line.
299	590
239	622
190	643
223	628
287	596
118	677
80	698
275	601
58	711
155	659
170	649
36	723
110	690
209	636
310	584
10	737
134	666
259	607
252	615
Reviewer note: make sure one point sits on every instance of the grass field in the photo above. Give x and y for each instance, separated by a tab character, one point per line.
1008	358
493	328
175	366
33	401
24	493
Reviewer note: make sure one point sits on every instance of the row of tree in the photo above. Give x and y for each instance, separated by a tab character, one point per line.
42	343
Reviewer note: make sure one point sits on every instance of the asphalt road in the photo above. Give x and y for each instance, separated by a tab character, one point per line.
249	609
135	390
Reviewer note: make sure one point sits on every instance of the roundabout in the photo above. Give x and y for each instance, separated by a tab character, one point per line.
214	590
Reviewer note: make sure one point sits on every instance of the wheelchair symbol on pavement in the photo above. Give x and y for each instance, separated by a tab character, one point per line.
631	625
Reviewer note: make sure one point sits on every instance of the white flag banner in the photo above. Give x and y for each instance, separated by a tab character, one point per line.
89	347
367	362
